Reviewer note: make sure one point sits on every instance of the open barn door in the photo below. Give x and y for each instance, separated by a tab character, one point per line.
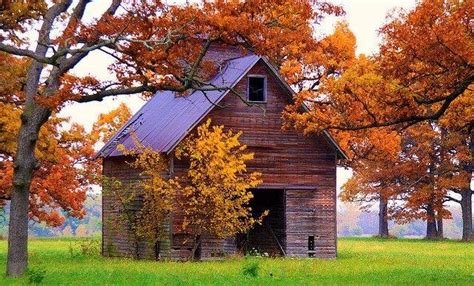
268	238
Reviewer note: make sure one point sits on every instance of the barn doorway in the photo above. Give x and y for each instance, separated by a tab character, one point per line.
268	238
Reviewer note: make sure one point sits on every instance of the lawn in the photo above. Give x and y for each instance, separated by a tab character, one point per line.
361	261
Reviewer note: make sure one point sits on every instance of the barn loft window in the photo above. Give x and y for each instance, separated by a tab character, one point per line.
256	90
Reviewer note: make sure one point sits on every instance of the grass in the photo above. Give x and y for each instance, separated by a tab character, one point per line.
361	261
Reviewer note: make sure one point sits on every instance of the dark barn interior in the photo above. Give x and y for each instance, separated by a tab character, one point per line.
269	237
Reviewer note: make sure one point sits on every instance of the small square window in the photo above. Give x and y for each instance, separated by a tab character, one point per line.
256	91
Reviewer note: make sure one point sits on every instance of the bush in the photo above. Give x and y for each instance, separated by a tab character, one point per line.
36	276
251	269
85	247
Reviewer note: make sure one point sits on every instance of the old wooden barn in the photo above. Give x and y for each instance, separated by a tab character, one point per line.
298	172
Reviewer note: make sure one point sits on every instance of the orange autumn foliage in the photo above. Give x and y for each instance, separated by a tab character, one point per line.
424	68
107	124
66	168
418	178
60	184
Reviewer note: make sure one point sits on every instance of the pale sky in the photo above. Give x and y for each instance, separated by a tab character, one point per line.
364	18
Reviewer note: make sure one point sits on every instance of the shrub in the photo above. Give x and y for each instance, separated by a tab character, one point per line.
36	276
85	247
251	269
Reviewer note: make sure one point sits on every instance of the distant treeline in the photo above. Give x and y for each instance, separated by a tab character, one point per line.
351	222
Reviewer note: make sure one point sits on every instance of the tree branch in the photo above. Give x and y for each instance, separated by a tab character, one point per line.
99	96
449	198
25	53
413	119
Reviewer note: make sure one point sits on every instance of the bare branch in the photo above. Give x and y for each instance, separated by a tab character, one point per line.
113	7
25	53
99	96
449	198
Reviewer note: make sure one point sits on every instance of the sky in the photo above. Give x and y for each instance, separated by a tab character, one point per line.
364	17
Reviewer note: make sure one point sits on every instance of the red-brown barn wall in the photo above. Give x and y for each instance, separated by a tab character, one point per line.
287	159
117	238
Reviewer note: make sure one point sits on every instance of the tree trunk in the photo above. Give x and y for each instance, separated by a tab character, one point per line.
431	229
466	208
383	221
157	250
196	250
32	119
440	232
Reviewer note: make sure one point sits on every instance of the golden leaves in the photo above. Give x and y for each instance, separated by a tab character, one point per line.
216	201
213	195
109	123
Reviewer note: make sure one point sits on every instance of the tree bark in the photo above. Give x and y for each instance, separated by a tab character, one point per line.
431	228
196	250
440	230
383	221
32	119
466	208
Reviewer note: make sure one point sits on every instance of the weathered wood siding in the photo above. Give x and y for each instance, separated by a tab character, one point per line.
310	212
288	160
117	237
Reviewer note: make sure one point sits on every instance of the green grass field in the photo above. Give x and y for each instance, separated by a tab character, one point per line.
360	262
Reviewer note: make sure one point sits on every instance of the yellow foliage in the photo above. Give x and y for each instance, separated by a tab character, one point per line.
215	202
213	196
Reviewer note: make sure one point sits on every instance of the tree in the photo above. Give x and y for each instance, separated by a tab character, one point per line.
107	124
423	73
374	163
215	195
212	197
64	154
159	192
418	178
155	47
424	66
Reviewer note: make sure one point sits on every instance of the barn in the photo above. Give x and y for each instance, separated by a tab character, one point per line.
298	172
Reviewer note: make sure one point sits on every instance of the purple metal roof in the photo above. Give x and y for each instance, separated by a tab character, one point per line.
166	118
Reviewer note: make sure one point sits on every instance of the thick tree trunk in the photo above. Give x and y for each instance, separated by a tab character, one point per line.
383	221
32	119
431	228
17	261
466	208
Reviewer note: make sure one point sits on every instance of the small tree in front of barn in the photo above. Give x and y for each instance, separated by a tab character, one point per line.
158	195
215	200
213	196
